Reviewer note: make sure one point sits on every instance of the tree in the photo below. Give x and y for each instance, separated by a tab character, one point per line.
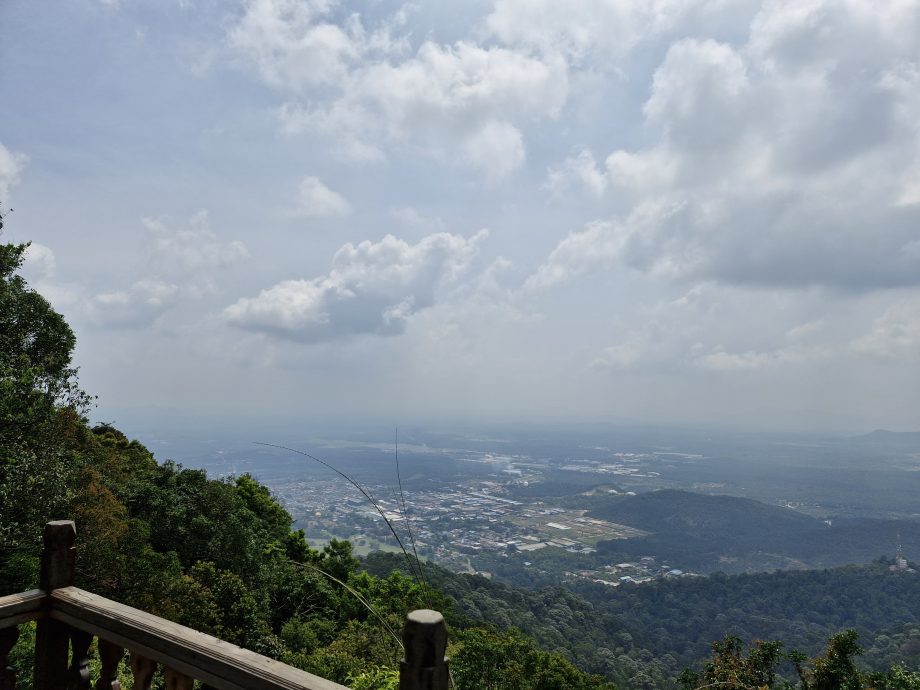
41	413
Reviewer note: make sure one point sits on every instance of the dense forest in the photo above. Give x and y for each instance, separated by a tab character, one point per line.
220	555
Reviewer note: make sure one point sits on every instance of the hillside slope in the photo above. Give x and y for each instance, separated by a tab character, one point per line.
714	532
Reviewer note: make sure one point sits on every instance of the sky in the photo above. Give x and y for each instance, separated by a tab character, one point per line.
697	212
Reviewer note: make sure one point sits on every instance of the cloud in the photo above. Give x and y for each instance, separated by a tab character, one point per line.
578	171
372	288
459	103
11	165
601	34
180	266
190	248
132	307
40	261
316	200
787	161
291	43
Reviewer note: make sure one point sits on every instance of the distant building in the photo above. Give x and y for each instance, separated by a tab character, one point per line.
900	562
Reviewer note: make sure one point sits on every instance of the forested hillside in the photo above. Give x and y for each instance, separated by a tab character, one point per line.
726	533
644	635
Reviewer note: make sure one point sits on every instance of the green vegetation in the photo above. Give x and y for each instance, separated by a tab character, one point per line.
834	669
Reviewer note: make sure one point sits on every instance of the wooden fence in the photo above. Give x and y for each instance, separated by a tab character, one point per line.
68	618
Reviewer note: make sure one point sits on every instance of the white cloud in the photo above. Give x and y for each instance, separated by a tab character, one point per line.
495	150
292	45
601	34
459	103
191	248
448	102
372	287
787	161
316	200
11	165
578	171
40	261
133	307
180	266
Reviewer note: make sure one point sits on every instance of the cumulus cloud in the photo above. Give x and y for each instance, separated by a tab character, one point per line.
460	103
11	165
372	288
788	160
600	34
292	43
449	102
316	200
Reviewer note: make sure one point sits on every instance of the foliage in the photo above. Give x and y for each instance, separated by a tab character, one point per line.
493	660
834	669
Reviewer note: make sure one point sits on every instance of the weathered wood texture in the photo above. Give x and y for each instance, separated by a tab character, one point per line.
178	681
68	618
142	670
52	638
79	665
110	656
425	641
217	663
22	607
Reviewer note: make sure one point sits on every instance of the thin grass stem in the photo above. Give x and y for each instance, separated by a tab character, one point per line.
417	576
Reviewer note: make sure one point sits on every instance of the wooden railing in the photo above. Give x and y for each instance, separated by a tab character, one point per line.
68	618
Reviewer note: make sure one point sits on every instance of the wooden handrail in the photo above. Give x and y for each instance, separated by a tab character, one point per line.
69	617
218	663
21	608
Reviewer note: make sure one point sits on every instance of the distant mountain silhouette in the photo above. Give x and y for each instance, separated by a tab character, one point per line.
709	533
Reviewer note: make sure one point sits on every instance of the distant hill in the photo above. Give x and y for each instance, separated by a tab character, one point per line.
732	534
704	515
900	440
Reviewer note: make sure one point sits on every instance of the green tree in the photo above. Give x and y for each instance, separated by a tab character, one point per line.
41	408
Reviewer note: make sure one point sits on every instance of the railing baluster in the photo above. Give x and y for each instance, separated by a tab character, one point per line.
110	655
142	669
8	637
78	674
178	681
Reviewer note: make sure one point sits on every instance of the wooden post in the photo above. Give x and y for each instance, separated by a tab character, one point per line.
52	637
8	637
425	641
110	655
